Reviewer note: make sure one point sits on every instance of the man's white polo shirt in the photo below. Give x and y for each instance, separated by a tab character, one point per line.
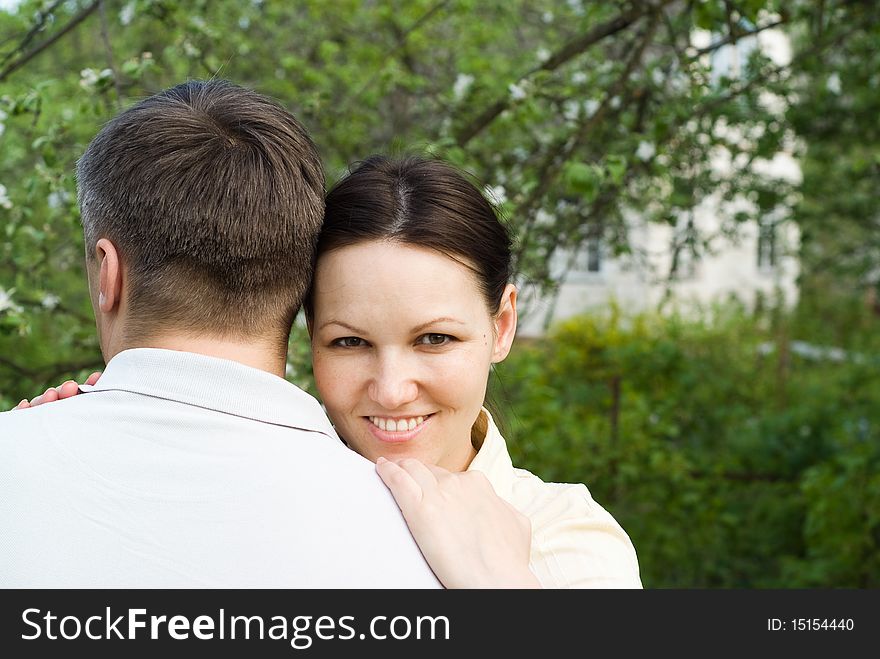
181	470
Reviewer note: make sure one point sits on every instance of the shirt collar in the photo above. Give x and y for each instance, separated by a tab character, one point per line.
492	457
211	383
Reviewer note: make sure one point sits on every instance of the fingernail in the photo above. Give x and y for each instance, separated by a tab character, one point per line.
380	460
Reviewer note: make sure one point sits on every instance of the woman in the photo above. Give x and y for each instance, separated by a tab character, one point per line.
410	307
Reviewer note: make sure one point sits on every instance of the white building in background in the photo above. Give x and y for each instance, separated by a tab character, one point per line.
761	261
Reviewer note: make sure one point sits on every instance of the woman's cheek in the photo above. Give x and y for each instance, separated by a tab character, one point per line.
334	378
465	377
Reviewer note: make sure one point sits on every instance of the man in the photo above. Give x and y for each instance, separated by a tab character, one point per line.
193	463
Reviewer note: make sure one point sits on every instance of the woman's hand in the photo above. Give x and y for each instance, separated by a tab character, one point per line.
469	535
62	391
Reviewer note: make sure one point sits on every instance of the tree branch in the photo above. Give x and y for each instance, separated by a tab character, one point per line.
105	37
401	38
37	27
565	54
36	50
738	34
775	71
548	172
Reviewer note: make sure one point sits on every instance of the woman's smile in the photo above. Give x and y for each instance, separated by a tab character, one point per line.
400	429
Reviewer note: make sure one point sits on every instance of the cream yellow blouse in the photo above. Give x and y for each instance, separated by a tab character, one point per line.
575	542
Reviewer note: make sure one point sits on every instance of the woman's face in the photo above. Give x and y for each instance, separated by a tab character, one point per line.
402	342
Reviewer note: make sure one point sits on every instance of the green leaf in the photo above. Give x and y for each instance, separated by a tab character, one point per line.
582	179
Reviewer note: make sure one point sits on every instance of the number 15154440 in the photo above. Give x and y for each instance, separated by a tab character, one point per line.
810	624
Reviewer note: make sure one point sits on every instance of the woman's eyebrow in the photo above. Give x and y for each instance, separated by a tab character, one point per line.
333	321
417	328
442	319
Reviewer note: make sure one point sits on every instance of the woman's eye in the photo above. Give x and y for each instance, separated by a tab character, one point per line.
349	342
434	339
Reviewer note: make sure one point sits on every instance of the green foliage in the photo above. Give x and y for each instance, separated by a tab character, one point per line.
585	112
731	459
727	465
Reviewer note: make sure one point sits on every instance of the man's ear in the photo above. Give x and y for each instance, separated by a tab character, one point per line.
505	324
109	275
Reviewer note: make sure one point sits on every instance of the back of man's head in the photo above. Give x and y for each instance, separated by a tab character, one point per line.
213	195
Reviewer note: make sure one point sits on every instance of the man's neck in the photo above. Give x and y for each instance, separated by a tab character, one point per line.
255	353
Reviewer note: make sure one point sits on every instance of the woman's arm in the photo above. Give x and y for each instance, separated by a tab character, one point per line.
469	535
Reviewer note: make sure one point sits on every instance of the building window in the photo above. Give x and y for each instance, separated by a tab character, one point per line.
586	261
594	255
686	265
684	250
767	255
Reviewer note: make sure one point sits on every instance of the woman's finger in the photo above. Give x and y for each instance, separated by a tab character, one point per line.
93	378
49	396
420	473
406	491
68	389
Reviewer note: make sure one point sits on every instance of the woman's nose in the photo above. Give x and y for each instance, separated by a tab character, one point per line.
394	383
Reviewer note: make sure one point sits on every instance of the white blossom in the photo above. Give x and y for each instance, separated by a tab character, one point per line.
88	78
542	217
5	201
833	83
57	198
547	17
578	77
542	54
678	81
646	150
562	205
6	302
590	107
50	301
461	86
517	91
570	109
576	6
126	14
658	77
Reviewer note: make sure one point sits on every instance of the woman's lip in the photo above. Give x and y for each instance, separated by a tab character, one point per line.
396	437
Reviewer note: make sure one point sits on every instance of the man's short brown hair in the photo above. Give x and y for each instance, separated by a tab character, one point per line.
213	194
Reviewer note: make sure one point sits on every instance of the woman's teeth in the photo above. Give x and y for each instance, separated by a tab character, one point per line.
399	425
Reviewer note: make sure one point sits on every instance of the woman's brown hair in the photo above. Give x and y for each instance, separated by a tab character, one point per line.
425	203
